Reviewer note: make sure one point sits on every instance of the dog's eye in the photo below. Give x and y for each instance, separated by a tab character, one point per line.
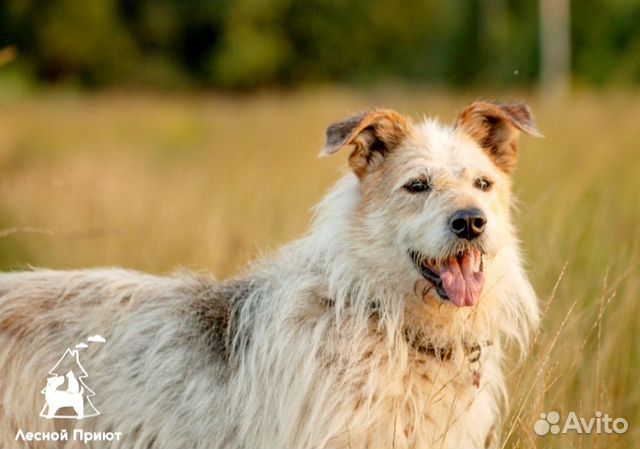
483	184
417	186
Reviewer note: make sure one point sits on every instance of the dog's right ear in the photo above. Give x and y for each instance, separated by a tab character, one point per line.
495	127
374	134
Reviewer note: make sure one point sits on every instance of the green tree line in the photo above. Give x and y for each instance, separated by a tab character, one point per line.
254	43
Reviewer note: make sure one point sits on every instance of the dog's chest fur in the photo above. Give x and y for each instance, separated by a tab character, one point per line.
424	397
365	390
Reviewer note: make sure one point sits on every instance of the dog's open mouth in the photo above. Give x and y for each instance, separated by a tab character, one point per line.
459	279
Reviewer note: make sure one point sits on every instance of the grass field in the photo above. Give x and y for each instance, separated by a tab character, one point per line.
209	181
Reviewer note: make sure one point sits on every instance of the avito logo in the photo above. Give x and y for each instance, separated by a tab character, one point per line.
600	423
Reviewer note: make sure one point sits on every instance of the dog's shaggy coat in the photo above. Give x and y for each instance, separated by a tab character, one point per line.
336	341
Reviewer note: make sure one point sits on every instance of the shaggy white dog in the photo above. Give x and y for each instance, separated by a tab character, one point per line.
383	327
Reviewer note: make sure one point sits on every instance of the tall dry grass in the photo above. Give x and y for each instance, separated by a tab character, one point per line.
207	182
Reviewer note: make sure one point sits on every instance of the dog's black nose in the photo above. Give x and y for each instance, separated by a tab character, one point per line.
468	223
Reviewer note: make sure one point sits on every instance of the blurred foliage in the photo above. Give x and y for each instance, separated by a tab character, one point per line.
254	43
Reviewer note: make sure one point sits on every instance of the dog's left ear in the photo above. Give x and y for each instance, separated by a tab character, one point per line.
496	127
374	134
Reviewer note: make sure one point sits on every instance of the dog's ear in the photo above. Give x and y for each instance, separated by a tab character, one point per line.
374	134
496	127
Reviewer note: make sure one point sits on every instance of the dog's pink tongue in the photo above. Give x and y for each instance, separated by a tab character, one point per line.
462	279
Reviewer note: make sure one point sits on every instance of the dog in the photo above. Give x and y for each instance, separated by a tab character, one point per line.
58	399
386	325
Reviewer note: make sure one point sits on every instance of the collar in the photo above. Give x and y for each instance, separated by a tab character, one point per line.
472	351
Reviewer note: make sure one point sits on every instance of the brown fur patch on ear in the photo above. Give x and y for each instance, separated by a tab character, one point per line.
496	127
374	134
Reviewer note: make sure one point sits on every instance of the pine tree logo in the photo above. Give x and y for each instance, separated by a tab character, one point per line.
66	394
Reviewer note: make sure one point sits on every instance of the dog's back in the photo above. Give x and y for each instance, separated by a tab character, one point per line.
155	349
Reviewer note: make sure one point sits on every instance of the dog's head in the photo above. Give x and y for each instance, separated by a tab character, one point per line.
435	199
55	381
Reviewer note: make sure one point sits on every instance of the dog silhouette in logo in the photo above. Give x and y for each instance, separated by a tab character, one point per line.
57	399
